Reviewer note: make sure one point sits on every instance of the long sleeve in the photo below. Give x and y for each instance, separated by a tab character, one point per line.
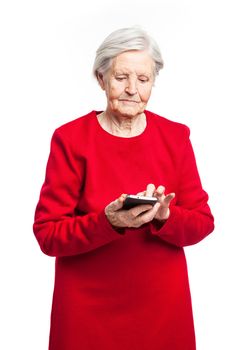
60	231
190	218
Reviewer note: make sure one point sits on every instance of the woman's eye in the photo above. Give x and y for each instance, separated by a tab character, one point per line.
143	80
120	78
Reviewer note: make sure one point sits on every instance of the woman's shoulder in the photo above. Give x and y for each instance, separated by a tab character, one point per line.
168	126
77	125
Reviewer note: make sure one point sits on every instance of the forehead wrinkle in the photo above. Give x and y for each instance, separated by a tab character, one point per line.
122	68
127	72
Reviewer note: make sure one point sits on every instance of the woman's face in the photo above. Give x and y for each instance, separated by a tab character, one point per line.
128	83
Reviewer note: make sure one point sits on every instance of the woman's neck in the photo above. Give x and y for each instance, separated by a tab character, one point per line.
122	126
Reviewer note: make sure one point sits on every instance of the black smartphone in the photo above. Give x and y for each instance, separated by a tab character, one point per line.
134	200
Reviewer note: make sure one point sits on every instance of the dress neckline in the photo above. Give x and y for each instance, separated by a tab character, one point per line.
121	138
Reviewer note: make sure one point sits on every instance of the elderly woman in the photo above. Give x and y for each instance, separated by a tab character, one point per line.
121	279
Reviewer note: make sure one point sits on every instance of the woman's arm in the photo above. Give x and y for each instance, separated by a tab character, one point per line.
57	227
190	220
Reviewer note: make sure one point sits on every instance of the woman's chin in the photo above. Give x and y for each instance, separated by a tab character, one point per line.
129	111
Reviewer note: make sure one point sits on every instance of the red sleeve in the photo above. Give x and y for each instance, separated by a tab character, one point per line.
59	231
190	219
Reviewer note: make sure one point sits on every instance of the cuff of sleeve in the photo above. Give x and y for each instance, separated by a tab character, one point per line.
161	228
103	221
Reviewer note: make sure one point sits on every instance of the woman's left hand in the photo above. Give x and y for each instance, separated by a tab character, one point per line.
163	211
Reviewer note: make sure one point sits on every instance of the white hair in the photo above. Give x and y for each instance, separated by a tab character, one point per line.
122	40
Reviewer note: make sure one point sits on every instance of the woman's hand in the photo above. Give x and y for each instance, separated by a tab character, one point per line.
164	203
134	217
140	214
164	200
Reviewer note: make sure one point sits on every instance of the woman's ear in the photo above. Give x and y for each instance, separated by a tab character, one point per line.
101	80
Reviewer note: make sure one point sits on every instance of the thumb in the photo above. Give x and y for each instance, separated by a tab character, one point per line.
168	199
118	203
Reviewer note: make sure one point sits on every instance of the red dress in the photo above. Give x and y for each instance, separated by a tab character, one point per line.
124	290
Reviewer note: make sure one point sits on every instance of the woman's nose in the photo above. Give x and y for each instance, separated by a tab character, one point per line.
131	87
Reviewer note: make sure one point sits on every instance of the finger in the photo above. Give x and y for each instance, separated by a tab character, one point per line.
150	190
139	209
148	215
168	199
160	190
118	203
159	193
122	198
141	193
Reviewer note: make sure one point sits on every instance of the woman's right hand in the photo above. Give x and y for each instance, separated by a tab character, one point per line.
134	217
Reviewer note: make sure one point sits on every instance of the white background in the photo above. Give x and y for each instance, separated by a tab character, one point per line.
47	51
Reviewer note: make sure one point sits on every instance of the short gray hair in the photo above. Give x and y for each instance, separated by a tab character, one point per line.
122	40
